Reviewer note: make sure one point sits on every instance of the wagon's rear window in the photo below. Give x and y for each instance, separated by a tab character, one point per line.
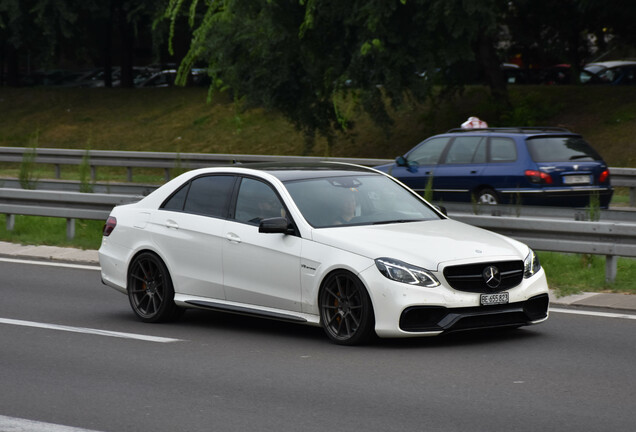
561	149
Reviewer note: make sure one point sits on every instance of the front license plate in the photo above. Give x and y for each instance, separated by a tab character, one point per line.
494	299
576	179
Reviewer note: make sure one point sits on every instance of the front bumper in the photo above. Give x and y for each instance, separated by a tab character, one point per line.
402	310
439	319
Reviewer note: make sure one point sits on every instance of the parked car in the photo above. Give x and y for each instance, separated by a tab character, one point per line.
334	245
620	72
533	166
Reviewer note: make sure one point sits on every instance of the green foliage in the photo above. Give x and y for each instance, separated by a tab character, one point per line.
52	231
531	110
86	185
301	57
572	273
27	176
428	190
593	211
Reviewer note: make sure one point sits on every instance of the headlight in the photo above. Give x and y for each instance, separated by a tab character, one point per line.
531	265
402	272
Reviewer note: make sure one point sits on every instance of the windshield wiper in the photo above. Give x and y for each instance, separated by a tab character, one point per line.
397	221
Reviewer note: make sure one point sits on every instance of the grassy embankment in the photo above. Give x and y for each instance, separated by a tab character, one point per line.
180	120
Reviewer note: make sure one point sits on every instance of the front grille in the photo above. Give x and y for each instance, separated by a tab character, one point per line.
469	277
439	318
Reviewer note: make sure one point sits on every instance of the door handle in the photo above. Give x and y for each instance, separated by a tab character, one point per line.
233	238
172	224
473	172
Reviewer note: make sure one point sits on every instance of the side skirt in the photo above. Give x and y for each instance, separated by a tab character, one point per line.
223	306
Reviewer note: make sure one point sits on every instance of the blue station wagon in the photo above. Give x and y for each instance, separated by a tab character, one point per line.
530	166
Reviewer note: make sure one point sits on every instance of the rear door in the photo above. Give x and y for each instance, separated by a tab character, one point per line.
504	173
461	169
189	230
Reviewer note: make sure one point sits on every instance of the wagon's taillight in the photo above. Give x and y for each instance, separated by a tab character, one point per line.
538	177
604	177
109	226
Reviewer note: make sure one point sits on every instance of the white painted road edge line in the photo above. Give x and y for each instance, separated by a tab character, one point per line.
89	331
12	424
51	264
592	313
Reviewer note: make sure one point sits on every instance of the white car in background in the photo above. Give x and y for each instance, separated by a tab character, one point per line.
334	245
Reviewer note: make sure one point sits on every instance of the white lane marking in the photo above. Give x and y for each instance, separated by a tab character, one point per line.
13	424
591	313
51	264
88	331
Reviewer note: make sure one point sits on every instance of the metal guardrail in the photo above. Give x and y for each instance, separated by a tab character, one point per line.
68	205
624	177
609	238
547	232
76	186
612	239
163	160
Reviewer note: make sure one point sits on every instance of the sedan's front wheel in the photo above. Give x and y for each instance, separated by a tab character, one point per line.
150	289
346	312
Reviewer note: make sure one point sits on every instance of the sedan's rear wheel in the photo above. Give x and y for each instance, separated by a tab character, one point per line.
346	312
150	289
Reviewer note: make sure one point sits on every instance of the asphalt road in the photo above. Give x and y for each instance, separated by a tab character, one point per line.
215	372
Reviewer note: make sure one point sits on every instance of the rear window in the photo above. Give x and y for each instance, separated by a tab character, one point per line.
561	149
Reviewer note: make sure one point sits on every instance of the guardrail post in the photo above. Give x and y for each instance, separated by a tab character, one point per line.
610	268
167	175
10	222
58	171
129	176
70	229
632	196
93	172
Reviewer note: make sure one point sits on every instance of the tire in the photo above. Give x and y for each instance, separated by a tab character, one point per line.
487	196
150	289
346	313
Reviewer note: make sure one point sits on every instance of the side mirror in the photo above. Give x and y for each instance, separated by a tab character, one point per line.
400	161
441	209
275	225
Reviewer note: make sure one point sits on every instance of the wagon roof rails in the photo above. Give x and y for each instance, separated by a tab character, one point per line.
523	129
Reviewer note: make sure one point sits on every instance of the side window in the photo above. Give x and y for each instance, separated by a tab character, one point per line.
177	200
209	196
428	152
467	149
256	201
502	150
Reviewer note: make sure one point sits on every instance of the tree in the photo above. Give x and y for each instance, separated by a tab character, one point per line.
32	30
303	57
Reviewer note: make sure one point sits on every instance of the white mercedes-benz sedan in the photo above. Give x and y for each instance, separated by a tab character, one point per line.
335	245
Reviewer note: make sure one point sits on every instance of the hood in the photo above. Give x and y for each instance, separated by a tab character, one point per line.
424	244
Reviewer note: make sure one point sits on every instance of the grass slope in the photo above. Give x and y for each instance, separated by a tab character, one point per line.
180	120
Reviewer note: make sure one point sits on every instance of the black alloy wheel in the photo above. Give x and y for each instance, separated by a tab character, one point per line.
346	312
150	289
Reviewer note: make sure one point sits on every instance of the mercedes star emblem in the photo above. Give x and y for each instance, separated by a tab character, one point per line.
492	276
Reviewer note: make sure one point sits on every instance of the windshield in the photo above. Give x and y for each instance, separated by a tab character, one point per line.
356	200
561	149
